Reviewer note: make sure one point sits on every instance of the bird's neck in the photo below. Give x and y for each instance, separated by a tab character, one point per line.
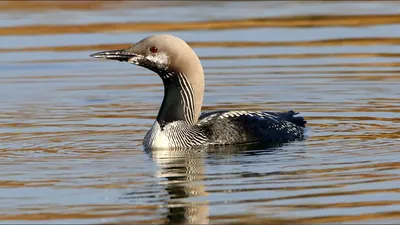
183	98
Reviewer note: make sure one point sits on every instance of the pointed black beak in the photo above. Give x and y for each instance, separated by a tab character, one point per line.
120	55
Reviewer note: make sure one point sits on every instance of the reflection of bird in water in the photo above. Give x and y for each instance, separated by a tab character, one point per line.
179	122
184	172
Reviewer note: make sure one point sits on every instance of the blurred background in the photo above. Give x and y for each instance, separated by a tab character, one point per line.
71	126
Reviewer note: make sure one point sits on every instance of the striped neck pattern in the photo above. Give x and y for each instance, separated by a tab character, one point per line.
179	100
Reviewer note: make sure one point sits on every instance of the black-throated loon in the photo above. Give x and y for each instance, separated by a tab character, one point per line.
179	122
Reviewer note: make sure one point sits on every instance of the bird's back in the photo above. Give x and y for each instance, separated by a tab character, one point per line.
241	127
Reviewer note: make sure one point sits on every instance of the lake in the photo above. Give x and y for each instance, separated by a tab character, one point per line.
72	126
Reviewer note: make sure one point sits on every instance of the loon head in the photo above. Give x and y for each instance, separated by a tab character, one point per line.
178	66
160	53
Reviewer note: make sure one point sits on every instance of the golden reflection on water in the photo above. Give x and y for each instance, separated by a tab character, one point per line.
292	21
72	128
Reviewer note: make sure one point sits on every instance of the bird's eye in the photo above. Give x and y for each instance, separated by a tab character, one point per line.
153	49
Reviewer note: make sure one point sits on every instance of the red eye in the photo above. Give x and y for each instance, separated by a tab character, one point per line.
153	49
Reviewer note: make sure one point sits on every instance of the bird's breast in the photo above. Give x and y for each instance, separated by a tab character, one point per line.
156	138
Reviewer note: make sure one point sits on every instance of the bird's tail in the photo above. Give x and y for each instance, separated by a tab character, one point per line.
290	116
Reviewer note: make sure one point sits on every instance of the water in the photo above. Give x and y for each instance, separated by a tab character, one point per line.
71	126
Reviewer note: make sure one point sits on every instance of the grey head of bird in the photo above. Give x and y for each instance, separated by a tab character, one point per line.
162	54
178	66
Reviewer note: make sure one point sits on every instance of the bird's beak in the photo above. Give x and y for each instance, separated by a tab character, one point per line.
120	55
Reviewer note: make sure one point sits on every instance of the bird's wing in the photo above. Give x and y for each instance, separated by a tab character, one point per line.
233	127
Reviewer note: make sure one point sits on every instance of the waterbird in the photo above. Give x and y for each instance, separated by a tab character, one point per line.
180	123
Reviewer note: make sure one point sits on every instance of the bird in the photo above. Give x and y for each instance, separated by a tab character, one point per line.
180	122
